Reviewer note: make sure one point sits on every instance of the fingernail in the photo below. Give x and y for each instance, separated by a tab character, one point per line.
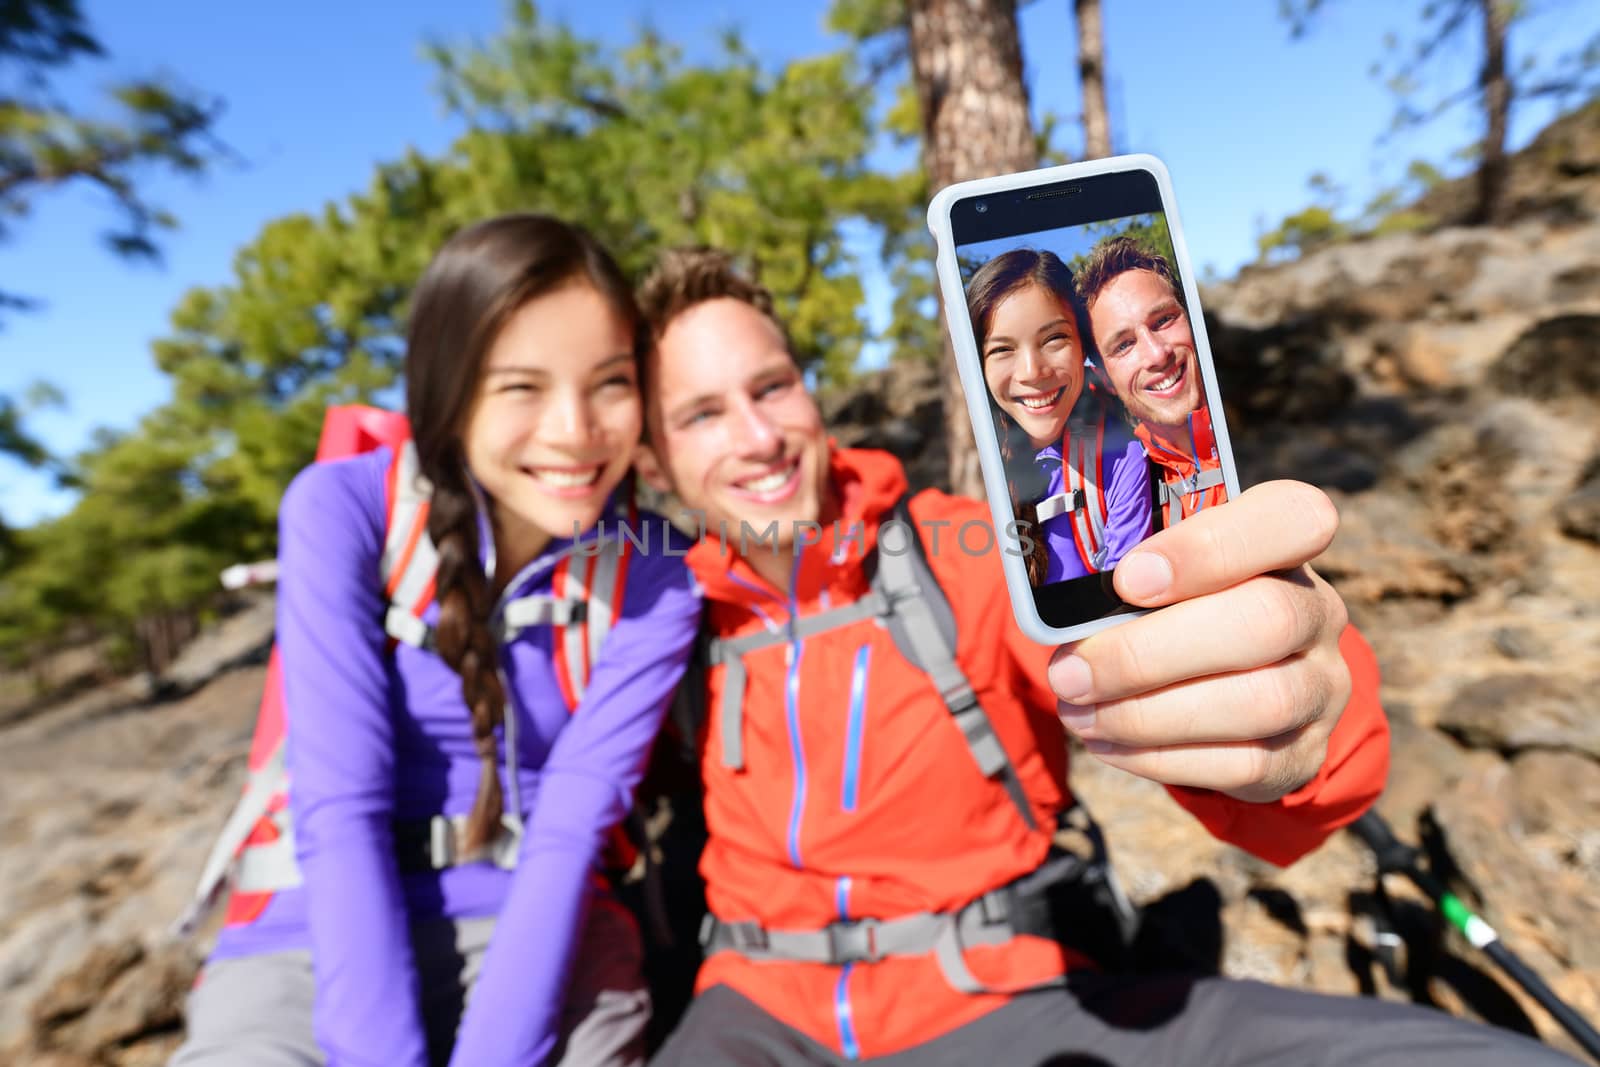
1144	575
1071	679
1078	718
1100	748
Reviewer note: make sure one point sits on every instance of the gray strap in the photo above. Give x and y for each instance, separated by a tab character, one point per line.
862	940
405	627
730	652
265	782
602	590
446	834
1082	473
540	609
1171	492
733	683
270	867
1058	504
933	654
984	921
572	643
411	494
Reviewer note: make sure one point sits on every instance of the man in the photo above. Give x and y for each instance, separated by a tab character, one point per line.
1141	329
856	846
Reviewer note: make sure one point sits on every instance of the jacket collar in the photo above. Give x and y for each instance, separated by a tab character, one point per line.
1175	461
865	484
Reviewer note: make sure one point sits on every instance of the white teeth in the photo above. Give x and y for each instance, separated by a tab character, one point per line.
567	479
768	482
1040	403
1166	383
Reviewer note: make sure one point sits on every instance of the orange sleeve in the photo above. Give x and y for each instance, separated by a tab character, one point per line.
1349	781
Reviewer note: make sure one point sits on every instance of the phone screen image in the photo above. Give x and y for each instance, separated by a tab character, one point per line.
1094	378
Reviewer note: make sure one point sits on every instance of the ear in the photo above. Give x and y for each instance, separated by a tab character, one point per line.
650	469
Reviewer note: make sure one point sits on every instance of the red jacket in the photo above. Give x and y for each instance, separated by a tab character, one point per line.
1174	464
858	796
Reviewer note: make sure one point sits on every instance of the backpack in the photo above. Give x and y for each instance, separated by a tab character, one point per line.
254	853
1083	496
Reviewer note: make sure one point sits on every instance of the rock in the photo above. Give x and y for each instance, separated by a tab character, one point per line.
1511	712
143	1001
1516	642
1552	917
1558	359
1380	553
80	989
1557	801
1579	512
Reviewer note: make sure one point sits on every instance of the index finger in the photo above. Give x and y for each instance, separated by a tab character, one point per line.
1270	527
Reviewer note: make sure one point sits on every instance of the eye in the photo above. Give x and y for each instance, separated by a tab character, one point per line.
1166	319
695	418
620	380
1056	340
772	388
518	387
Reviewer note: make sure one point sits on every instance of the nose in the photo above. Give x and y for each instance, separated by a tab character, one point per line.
753	434
570	422
1030	364
1154	350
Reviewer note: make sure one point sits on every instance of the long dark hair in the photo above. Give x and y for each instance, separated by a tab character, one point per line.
474	284
992	283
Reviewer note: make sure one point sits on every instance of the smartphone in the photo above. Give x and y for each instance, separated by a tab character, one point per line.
1082	351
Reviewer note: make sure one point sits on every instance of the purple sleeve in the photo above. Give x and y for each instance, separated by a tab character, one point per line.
341	762
1128	495
585	787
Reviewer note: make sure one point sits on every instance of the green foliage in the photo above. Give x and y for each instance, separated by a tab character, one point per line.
1323	223
46	144
1149	230
644	148
1302	232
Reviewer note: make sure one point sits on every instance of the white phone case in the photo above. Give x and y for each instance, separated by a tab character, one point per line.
970	367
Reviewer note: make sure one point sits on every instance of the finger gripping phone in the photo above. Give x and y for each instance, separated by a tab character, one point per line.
1082	351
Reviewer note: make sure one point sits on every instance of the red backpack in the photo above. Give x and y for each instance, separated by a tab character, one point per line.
254	853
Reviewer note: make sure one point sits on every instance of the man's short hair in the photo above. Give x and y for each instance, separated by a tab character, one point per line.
1117	256
684	277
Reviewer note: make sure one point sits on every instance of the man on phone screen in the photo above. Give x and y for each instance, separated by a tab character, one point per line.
1146	345
880	816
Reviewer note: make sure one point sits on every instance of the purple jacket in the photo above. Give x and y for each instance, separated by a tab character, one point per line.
1128	503
375	737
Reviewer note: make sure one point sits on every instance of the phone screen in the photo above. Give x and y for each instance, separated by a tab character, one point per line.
1094	381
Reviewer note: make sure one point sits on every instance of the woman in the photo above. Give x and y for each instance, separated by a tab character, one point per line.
1087	488
523	366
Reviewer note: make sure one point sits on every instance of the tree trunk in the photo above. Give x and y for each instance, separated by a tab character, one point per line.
966	60
1497	109
1092	79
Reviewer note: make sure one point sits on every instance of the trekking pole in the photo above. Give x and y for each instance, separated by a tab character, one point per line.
1395	856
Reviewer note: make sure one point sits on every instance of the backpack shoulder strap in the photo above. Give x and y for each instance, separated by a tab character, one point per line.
587	590
1081	455
923	626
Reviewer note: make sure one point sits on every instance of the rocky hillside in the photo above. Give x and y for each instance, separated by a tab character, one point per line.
1444	388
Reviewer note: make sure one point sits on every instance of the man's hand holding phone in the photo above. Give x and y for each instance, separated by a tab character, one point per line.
1237	684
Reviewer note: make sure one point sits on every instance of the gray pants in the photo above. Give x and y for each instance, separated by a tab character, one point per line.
255	1011
1108	1021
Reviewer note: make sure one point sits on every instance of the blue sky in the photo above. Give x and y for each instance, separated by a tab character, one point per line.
1067	242
318	93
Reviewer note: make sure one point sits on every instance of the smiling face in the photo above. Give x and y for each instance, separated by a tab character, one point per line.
1033	361
1147	347
734	429
556	418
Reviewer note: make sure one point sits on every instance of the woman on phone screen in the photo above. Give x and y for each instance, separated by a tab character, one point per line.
455	773
1078	476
